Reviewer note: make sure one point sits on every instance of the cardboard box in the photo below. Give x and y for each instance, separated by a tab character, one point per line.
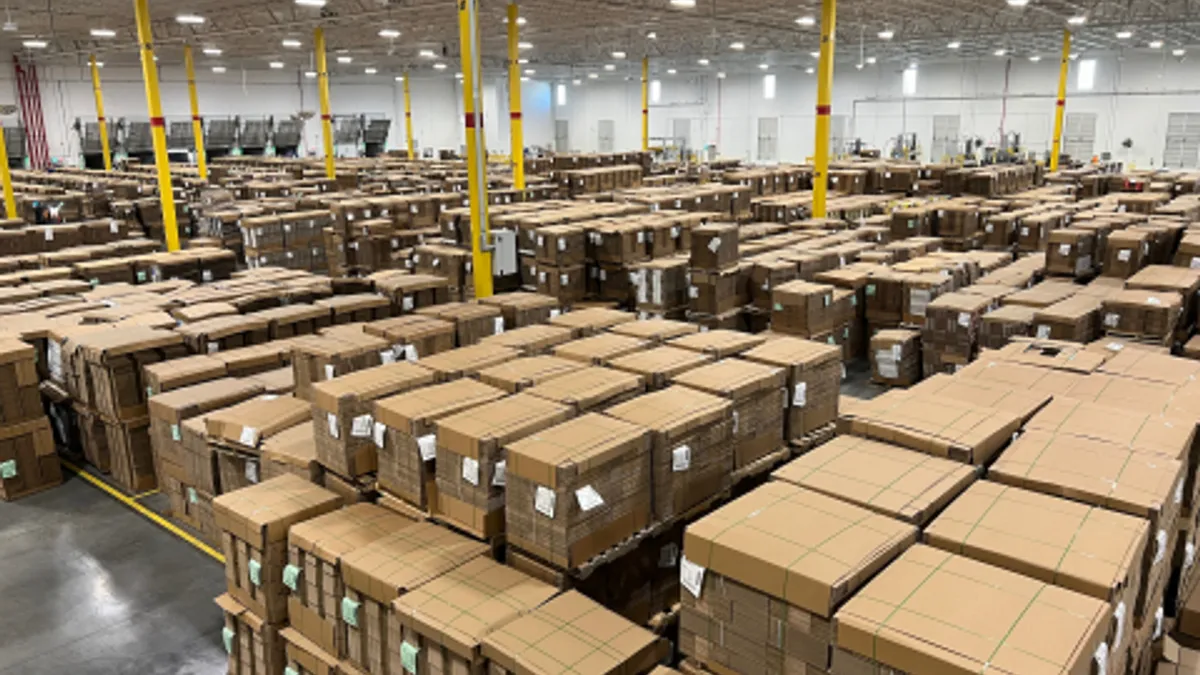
814	380
950	339
600	349
1126	253
114	360
1165	278
691	454
583	636
413	337
719	344
1001	325
28	459
919	290
303	657
1076	319
254	526
291	451
20	400
714	246
1149	315
560	246
316	358
662	285
254	645
881	477
718	292
470	466
168	412
313	575
658	366
132	457
806	309
760	594
1033	622
443	623
601	464
410	441
895	356
472	322
524	309
466	361
758	395
178	373
1072	253
293	320
223	333
568	284
588	322
655	331
591	389
385	569
343	423
531	340
520	374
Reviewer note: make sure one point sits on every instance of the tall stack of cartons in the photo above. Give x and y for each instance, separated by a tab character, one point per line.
718	288
814	376
28	458
235	436
950	339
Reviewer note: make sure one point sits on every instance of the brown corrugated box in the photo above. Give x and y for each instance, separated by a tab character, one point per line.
885	478
253	645
758	393
988	619
409	441
714	246
587	322
806	309
1149	315
293	320
114	359
522	309
304	657
223	333
291	451
590	389
814	379
531	340
278	382
342	414
323	357
1023	403
386	569
178	373
600	349
467	361
28	459
414	337
657	331
1044	294
692	455
659	365
254	526
747	569
895	356
521	374
572	634
472	322
575	489
443	623
169	410
245	425
1003	324
470	466
719	344
313	574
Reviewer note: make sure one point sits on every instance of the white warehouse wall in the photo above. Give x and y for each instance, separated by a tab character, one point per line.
1132	98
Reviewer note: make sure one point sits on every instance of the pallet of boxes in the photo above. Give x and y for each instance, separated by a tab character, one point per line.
28	458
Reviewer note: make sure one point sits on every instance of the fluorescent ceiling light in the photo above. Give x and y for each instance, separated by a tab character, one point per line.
1178	52
871	60
683	4
427	53
103	32
671	71
291	43
99	64
522	61
807	20
345	59
458	76
399	78
530	71
310	74
1077	20
1000	52
858	66
218	69
311	3
593	76
370	71
609	67
1017	3
212	51
618	55
1035	58
737	46
720	76
191	19
887	34
1124	34
954	45
810	70
276	65
389	33
1074	55
35	44
439	66
703	62
576	82
524	79
763	66
651	35
524	45
1156	44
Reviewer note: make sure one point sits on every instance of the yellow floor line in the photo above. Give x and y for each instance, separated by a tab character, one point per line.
152	516
145	494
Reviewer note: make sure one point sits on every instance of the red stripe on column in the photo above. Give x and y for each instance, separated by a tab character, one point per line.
157	122
645	111
195	118
327	118
1061	102
101	119
824	109
515	116
470	120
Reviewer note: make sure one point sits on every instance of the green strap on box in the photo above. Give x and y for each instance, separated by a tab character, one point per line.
350	611
8	469
255	570
227	638
291	577
408	657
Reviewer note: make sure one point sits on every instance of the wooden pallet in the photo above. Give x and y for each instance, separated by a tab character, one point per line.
660	623
764	464
814	438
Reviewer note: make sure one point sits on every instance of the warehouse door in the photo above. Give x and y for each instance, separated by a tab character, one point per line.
768	139
681	131
1079	136
562	136
945	138
1183	140
607	130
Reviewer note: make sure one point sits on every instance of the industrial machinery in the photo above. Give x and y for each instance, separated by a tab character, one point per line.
181	140
220	136
905	147
14	141
138	141
89	142
375	134
255	135
289	134
348	131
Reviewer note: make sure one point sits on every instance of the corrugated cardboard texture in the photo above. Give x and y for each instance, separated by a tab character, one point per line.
885	478
585	322
426	336
719	344
305	657
1087	549
983	393
29	449
254	646
294	451
1151	434
590	389
457	610
985	619
814	380
754	541
659	365
247	424
656	331
600	349
895	356
521	374
598	470
531	340
571	634
177	373
467	361
758	394
399	562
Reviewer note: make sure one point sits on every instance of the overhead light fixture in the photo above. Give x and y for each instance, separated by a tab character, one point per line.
389	33
1001	52
458	76
618	55
370	71
763	66
524	45
218	69
1156	44
807	20
858	66
291	43
99	64
576	82
671	71
1124	34
1077	20
103	32
810	70
1074	56
439	66
520	20
524	79
10	26
311	3
212	51
703	62
1017	3
399	78
35	44
887	34
427	54
1035	58
530	71
345	59
815	55
651	35
720	76
190	19
310	74
871	60
276	65
1178	52
609	67
522	61
593	76
683	4
954	45
737	46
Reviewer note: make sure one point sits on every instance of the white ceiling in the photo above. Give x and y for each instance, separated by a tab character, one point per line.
576	36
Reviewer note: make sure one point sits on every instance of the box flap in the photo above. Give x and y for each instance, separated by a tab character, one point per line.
576	446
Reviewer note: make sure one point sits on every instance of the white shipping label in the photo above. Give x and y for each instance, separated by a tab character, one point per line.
1119	618
691	576
497	325
555	313
249	437
114	227
214	347
919	300
714	244
800	395
1101	658
427	446
252	470
1111	320
641	237
332	422
681	458
1153	301
470	470
1161	542
330	371
668	556
387	356
693	292
564	280
541	241
964	319
1024	231
500	475
562	245
406	303
897	352
49	234
1179	492
1064	249
735	422
410	353
1043	332
1195	263
888	369
989	228
1158	623
378	433
361	426
1123	256
588	498
543	501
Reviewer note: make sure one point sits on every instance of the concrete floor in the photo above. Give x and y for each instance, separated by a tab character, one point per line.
90	586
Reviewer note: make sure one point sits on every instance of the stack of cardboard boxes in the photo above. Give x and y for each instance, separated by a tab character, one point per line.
28	457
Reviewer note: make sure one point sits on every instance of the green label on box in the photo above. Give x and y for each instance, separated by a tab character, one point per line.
8	469
227	638
408	657
290	671
141	275
778	307
255	570
149	392
192	495
291	577
350	611
175	432
870	289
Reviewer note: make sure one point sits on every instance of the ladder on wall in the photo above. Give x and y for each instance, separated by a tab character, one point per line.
30	97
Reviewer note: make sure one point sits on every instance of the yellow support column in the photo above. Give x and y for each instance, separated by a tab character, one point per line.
166	194
468	34
824	105
516	126
1061	109
197	126
645	105
10	199
408	134
323	92
103	124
